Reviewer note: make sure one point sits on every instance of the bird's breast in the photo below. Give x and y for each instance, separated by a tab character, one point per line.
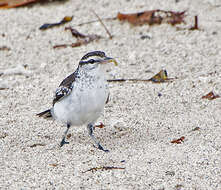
85	103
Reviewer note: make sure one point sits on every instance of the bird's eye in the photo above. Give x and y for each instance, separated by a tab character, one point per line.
91	61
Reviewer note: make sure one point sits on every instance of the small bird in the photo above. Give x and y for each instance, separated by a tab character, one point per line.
81	97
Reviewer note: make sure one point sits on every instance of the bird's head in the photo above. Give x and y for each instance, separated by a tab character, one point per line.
94	59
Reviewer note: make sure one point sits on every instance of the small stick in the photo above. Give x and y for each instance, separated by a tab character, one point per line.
104	168
195	27
37	144
93	21
140	80
133	80
110	36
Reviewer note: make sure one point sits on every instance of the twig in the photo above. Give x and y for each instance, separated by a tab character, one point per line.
104	168
132	80
93	21
195	27
110	36
37	144
157	78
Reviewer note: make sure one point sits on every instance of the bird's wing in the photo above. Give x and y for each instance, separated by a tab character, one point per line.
108	98
64	88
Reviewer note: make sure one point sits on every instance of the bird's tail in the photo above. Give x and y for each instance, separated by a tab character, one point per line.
45	114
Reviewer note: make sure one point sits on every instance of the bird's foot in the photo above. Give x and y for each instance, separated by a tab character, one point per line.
63	142
101	148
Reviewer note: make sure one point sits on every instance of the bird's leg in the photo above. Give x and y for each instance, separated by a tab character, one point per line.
64	136
90	128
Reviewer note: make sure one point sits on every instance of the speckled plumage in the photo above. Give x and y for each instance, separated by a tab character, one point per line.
81	97
85	98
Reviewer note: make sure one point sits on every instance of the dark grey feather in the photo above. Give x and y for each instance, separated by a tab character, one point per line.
65	87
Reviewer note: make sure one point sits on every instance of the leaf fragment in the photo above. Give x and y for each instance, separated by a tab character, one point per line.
37	144
82	39
178	141
5	4
160	77
153	17
101	125
5	48
103	168
54	164
210	96
50	25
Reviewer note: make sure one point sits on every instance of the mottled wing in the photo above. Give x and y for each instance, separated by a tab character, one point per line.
108	98
64	88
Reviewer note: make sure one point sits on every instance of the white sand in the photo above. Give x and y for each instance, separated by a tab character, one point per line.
139	124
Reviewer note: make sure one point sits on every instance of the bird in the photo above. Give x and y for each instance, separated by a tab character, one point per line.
81	97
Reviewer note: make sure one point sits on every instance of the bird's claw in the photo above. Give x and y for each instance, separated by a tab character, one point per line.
63	142
101	148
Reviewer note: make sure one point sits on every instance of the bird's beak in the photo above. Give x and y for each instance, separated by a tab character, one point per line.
109	60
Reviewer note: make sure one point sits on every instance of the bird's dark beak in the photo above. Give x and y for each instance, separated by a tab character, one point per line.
108	60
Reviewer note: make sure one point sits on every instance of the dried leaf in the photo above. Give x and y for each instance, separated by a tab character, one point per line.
54	165
210	96
75	33
3	135
104	168
63	21
4	48
68	136
101	125
5	4
160	77
196	129
82	39
153	17
179	187
37	144
178	141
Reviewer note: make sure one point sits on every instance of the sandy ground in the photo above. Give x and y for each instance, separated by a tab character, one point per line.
139	124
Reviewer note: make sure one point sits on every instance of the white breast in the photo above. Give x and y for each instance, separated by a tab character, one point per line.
86	101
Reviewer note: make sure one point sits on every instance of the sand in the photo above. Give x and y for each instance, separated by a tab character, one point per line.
139	124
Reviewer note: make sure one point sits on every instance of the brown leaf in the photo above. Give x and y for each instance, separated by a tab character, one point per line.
196	129
37	144
178	141
101	125
75	33
158	78
68	136
210	96
5	48
153	17
82	39
54	165
5	4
